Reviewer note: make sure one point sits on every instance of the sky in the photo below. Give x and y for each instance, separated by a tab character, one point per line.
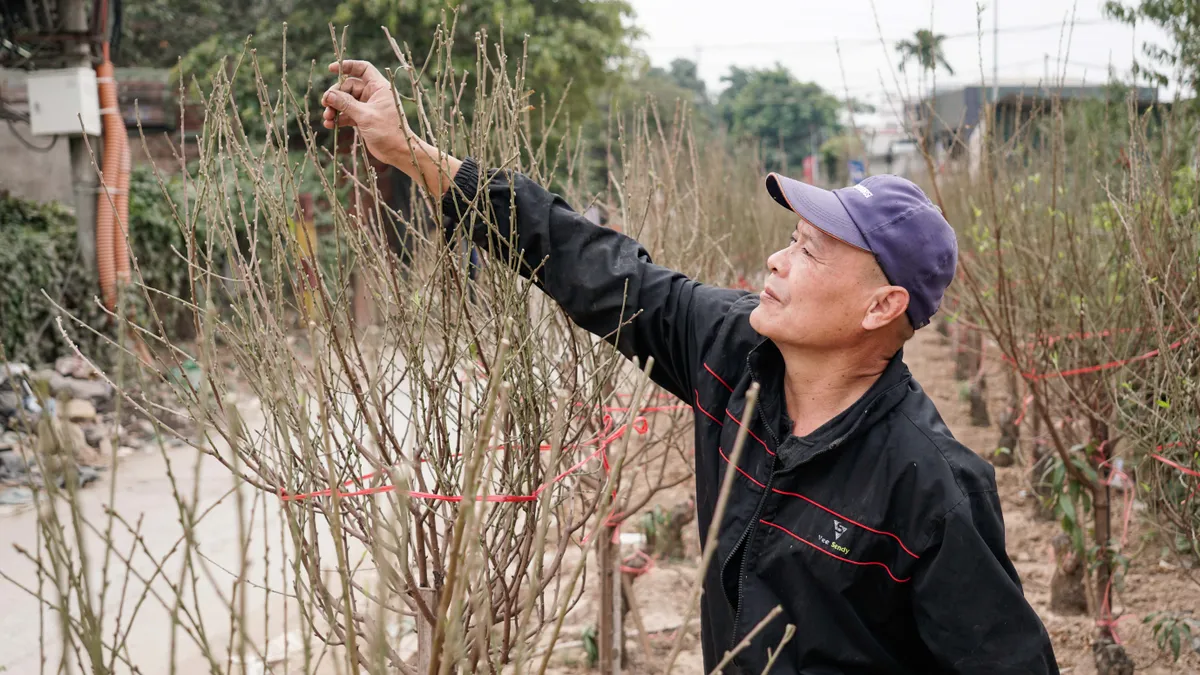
800	35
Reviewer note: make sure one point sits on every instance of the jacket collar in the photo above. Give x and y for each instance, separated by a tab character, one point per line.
767	368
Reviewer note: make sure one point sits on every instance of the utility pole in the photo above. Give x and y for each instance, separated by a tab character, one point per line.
83	175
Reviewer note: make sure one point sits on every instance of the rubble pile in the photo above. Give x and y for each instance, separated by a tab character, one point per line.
56	421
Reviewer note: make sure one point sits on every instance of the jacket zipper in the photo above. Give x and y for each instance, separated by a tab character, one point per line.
748	534
748	537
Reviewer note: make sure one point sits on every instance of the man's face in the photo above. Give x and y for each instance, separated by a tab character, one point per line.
819	292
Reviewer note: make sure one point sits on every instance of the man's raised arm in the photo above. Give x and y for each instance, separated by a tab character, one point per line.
604	280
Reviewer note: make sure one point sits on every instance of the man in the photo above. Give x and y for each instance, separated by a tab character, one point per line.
854	508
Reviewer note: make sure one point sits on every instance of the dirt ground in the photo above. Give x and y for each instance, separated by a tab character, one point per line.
1151	585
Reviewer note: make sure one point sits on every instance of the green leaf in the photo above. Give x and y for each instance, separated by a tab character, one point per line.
1077	535
1175	638
1068	509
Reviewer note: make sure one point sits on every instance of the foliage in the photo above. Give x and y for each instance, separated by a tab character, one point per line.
157	33
160	249
925	49
1175	630
684	73
836	152
785	118
651	97
38	252
575	48
1180	20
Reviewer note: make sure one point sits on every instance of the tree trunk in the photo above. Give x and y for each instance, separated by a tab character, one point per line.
610	639
1010	430
978	398
1067	593
1039	486
968	347
425	631
665	538
1111	658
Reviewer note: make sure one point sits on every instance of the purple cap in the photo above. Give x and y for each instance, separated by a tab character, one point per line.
887	216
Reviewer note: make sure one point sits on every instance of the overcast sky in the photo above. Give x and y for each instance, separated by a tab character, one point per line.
800	35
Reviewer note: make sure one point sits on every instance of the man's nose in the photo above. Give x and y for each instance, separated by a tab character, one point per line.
776	261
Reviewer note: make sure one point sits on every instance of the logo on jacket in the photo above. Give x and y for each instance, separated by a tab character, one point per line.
838	529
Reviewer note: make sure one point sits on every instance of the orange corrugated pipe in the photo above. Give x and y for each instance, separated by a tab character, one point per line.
121	226
106	201
112	215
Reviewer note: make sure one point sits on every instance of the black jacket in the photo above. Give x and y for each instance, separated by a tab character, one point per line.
879	534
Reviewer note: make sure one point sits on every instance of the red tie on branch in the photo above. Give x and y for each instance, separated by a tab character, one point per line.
640	426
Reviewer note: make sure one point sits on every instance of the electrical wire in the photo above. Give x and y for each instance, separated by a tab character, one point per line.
16	134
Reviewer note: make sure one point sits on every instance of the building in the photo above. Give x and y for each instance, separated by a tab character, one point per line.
888	144
952	119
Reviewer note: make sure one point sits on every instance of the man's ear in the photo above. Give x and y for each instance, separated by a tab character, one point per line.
887	304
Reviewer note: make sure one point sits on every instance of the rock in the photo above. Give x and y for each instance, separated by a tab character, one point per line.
12	466
125	451
98	392
94	433
9	440
10	402
14	496
88	457
73	366
79	410
74	437
13	370
105	450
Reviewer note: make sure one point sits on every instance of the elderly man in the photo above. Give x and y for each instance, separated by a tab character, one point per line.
854	508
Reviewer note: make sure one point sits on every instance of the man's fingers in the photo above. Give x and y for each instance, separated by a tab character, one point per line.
360	69
341	102
343	121
353	86
331	115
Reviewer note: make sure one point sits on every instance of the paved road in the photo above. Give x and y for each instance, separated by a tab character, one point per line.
143	492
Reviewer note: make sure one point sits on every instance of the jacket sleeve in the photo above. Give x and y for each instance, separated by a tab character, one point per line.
968	603
604	281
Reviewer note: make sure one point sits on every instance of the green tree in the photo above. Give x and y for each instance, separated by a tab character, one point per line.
157	33
1180	19
649	89
926	50
683	73
575	47
788	119
856	106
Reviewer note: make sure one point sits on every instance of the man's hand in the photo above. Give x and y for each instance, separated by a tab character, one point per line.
364	100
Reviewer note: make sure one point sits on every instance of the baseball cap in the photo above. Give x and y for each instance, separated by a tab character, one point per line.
887	216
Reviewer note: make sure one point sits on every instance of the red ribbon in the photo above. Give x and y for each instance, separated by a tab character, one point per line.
640	426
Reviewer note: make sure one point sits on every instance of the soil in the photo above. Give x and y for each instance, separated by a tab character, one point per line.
1152	584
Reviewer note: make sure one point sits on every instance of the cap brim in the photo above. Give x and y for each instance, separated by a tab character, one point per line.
818	206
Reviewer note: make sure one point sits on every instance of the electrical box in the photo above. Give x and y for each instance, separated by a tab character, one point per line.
58	99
